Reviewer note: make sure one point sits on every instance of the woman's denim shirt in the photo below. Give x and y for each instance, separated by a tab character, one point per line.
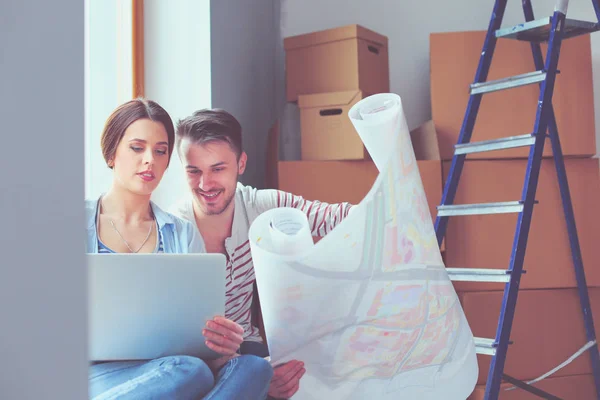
178	235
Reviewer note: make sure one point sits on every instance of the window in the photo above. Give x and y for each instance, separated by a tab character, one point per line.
155	48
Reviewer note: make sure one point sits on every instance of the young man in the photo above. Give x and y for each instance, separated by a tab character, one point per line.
210	145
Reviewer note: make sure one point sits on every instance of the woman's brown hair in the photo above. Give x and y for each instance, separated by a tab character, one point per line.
125	115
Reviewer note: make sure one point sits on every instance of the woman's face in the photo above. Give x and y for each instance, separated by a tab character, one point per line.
142	157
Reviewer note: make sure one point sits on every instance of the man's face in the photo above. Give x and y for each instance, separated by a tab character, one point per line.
212	170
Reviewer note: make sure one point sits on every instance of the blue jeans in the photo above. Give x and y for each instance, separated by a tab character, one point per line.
181	378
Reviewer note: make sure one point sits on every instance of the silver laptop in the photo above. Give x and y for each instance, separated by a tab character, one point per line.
146	306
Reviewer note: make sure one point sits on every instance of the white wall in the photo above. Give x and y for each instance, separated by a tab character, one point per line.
177	71
197	54
244	37
408	25
102	95
43	303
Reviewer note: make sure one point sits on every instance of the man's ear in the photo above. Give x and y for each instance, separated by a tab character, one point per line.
242	163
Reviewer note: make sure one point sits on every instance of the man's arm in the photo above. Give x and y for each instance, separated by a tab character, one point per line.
322	217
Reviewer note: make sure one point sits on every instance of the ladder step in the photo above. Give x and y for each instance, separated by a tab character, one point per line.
485	346
508	83
497	144
539	30
478	275
504	207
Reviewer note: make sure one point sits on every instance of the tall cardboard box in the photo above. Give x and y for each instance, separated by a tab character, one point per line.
485	241
575	387
350	57
547	329
454	58
326	132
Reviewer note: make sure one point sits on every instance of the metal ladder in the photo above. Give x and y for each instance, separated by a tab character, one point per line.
552	29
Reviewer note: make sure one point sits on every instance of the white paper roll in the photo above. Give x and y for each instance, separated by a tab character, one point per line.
375	118
369	309
289	231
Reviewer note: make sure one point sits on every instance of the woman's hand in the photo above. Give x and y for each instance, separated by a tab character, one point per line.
223	336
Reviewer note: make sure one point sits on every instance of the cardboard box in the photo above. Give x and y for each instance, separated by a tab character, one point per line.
576	387
425	143
454	58
547	329
335	60
326	132
485	241
272	156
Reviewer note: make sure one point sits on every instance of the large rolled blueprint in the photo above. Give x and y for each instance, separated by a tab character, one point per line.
369	309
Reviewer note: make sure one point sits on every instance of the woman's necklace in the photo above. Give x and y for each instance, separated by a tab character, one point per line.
119	233
125	241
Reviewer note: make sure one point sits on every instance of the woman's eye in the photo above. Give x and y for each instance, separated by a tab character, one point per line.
161	152
136	149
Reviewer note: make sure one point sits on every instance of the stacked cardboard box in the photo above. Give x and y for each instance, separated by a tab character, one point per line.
548	325
327	72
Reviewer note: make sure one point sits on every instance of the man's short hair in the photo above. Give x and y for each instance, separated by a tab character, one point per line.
211	125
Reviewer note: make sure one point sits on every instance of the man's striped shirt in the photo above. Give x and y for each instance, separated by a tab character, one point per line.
249	204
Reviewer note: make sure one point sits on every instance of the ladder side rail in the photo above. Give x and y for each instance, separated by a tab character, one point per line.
584	297
568	211
524	221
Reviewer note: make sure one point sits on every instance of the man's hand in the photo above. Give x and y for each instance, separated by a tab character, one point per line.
286	379
223	336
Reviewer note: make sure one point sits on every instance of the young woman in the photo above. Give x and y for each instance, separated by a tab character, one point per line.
137	143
